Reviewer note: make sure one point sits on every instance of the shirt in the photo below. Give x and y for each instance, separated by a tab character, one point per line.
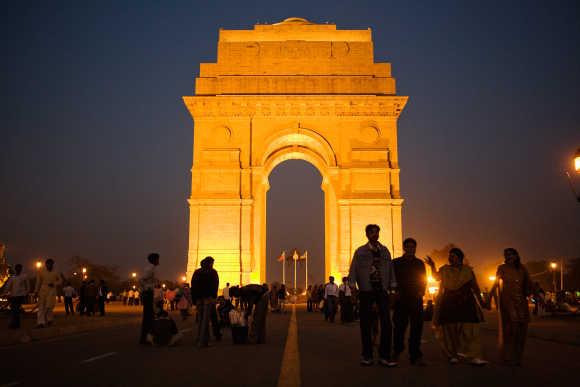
17	286
47	281
226	293
148	281
68	291
346	290
331	289
364	262
411	276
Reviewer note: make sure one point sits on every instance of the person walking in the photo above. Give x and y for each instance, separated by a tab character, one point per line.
204	288
330	299
91	293
131	295
46	282
371	270
345	300
514	285
148	282
17	290
457	310
69	294
102	296
408	310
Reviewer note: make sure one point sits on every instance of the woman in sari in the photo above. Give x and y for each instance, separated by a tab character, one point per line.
513	285
457	310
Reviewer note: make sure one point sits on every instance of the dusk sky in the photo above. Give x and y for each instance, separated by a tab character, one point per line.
96	143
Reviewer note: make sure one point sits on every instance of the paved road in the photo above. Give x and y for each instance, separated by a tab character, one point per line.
325	355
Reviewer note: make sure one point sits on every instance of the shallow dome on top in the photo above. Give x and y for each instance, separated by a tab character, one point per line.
294	20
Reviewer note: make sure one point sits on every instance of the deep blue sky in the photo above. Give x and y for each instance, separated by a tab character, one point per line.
96	144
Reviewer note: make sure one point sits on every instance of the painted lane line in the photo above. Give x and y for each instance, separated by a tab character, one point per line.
104	355
10	384
185	330
290	369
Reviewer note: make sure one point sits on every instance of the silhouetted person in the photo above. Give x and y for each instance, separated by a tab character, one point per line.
69	294
345	300
17	290
330	299
256	297
412	280
148	282
204	288
514	285
371	269
83	298
102	296
91	292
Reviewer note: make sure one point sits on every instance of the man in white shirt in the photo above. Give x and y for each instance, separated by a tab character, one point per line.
330	298
69	293
46	283
148	282
17	290
345	300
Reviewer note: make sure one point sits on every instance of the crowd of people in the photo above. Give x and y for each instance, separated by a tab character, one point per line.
385	295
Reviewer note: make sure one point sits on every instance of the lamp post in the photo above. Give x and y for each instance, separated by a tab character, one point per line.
492	278
577	169
38	265
553	266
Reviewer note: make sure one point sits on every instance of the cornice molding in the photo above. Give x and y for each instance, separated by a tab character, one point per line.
293	105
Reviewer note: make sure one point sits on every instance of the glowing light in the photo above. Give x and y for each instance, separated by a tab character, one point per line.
431	280
163	286
75	273
577	161
492	278
433	290
134	275
85	276
38	264
553	265
134	287
84	270
183	278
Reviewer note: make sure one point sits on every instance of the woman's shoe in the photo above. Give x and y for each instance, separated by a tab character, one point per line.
453	360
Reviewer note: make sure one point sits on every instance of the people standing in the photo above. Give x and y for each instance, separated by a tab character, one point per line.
136	297
282	298
457	310
148	282
91	293
46	282
131	295
82	298
102	296
330	299
69	294
17	290
514	285
371	269
408	310
204	287
345	300
226	292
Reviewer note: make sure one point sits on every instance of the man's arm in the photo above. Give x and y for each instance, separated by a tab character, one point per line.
423	279
353	270
38	281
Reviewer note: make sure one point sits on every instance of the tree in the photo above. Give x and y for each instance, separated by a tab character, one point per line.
97	272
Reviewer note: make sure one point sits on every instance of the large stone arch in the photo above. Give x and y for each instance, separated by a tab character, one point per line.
292	91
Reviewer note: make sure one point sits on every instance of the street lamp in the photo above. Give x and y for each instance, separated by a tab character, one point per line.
553	266
38	265
183	278
492	278
134	275
84	270
577	169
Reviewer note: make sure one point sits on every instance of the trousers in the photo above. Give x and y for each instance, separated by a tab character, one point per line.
408	312
375	302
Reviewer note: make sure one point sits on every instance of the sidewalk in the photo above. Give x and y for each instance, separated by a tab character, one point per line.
117	314
563	330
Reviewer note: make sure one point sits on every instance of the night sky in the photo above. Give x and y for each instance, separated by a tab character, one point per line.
96	143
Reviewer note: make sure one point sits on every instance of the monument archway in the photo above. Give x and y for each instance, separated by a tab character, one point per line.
292	90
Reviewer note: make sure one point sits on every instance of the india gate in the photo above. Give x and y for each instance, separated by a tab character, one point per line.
292	90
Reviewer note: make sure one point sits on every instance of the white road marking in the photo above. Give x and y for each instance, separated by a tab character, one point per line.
10	384
185	330
104	355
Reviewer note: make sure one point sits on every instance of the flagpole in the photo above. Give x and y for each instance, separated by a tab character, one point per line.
284	270
295	260
306	282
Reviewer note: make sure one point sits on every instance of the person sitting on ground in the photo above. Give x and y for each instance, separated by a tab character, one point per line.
164	331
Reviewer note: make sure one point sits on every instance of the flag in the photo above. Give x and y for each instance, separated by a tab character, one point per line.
282	256
295	255
304	256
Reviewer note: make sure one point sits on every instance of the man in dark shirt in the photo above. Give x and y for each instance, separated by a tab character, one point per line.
204	287
412	280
